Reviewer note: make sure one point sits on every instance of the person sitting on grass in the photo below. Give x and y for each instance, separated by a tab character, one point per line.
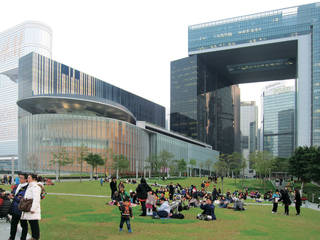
126	213
123	194
238	204
208	211
194	202
163	211
223	202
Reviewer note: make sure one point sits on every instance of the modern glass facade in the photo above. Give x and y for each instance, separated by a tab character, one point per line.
272	26
202	111
278	120
8	117
41	76
20	40
63	107
42	134
15	43
248	128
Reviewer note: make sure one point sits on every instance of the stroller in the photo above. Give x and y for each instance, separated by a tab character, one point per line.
5	208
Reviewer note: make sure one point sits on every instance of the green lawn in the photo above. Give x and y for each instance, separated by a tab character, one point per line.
69	217
94	188
66	217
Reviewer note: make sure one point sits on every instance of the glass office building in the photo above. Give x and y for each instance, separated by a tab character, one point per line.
248	129
41	76
274	45
14	43
202	111
278	120
63	107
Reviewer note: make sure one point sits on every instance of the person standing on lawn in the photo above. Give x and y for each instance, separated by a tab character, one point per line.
113	186
33	192
142	194
126	213
275	200
285	198
297	200
17	194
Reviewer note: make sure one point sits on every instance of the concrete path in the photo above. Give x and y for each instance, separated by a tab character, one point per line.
5	230
78	195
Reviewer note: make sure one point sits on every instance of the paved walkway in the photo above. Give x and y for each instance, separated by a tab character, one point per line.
78	195
5	230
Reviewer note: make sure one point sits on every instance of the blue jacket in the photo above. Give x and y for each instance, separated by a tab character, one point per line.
16	200
208	209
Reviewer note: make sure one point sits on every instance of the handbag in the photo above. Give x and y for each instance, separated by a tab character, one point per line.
25	205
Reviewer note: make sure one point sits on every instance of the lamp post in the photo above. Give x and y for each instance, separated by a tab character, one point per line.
12	168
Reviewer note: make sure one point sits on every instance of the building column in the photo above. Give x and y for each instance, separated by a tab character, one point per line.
303	92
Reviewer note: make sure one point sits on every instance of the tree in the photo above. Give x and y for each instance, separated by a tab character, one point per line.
107	156
262	163
33	163
243	166
120	163
61	158
153	164
94	160
201	165
305	164
165	159
235	163
314	165
280	164
208	164
182	166
83	151
221	167
193	163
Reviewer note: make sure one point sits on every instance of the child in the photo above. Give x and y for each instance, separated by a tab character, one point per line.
275	200
126	213
151	201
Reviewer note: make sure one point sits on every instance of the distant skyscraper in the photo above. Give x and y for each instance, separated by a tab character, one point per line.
15	43
278	119
248	129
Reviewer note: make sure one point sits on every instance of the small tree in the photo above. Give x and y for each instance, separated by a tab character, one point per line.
237	160
221	167
60	159
153	164
243	166
33	163
182	166
106	156
165	159
193	163
83	151
201	165
120	163
208	165
94	160
262	163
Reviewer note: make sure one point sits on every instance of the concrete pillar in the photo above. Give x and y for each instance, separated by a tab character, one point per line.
303	92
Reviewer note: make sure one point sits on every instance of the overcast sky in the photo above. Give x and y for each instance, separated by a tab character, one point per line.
130	43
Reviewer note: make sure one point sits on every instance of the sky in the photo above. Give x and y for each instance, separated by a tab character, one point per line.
127	43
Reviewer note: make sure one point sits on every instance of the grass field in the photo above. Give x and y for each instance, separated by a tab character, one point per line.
69	217
88	218
94	188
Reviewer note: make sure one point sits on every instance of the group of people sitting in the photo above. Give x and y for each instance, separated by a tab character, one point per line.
171	200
